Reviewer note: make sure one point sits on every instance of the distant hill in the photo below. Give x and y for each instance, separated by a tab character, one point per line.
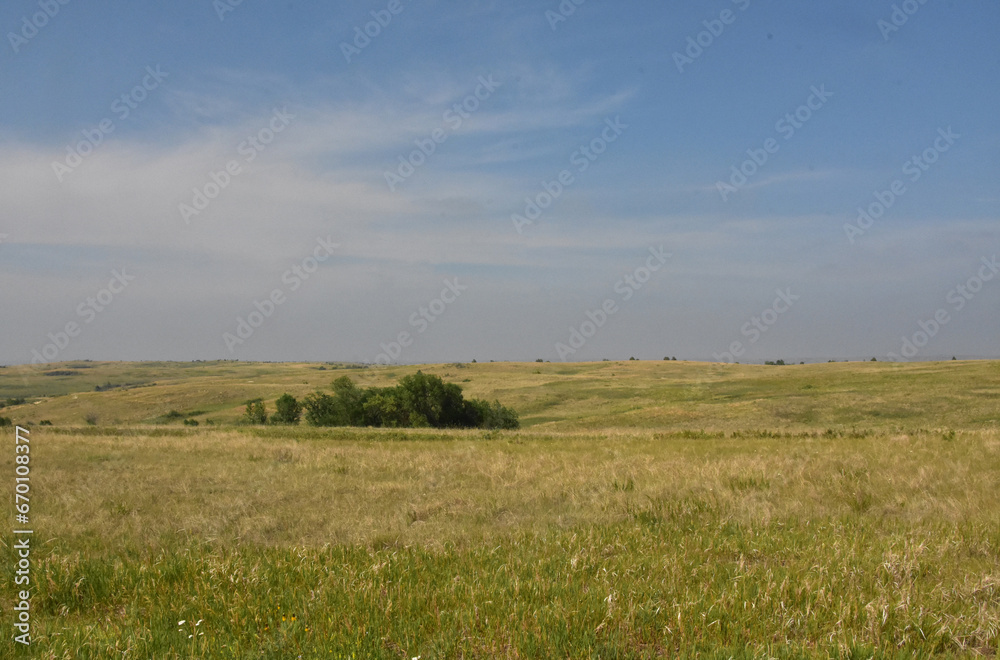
655	395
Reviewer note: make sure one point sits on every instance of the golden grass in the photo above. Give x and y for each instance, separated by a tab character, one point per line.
669	510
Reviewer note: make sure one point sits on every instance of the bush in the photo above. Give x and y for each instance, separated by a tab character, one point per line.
255	412
383	406
350	400
419	400
431	402
190	422
287	410
321	410
6	421
486	415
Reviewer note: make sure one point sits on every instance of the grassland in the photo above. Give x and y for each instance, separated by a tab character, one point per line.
646	510
551	397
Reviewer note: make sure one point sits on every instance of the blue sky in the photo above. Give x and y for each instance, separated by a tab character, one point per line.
333	129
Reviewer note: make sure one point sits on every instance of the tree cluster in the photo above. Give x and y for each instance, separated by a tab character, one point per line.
419	400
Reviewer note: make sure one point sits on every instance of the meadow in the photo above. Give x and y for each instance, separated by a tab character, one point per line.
644	510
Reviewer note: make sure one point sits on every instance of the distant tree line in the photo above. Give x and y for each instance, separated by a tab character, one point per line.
419	400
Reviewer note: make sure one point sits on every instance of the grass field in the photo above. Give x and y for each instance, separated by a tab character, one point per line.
645	510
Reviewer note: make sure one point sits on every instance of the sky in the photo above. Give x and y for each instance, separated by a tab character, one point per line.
416	181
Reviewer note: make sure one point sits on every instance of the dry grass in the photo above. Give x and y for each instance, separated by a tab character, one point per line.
617	544
668	510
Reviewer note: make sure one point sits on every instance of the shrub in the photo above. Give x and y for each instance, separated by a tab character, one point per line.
321	410
486	415
383	406
431	401
6	421
287	410
190	422
255	412
349	400
419	400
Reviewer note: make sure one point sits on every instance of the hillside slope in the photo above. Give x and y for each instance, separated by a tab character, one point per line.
554	397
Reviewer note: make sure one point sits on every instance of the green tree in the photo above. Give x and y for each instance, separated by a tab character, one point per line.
255	412
321	410
383	406
287	410
349	401
429	400
486	415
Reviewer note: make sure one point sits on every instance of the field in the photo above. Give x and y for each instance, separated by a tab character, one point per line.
644	510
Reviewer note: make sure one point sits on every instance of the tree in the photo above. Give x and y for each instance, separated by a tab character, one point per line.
287	410
486	415
427	397
349	401
321	410
382	406
418	400
255	412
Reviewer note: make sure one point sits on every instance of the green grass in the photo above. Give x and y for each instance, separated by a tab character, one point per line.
633	535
